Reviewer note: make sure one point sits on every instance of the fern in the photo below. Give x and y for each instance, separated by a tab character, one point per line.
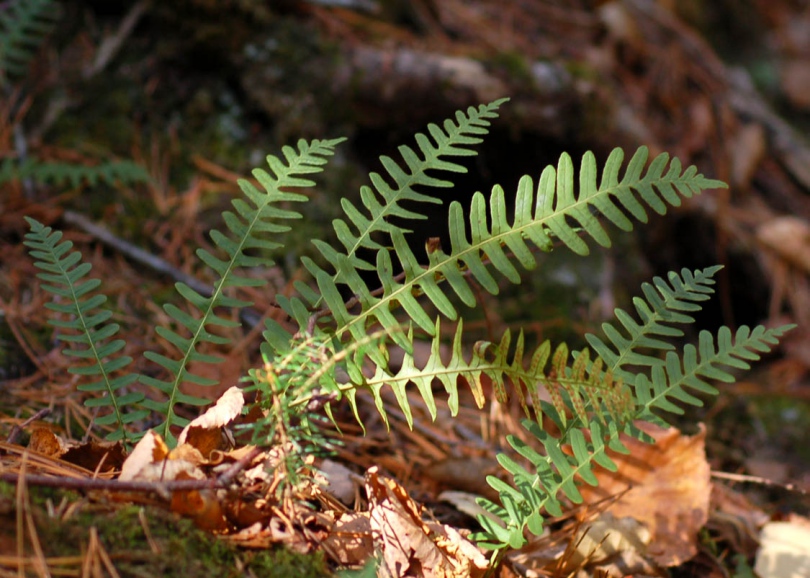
56	173
23	27
90	332
633	373
557	471
247	226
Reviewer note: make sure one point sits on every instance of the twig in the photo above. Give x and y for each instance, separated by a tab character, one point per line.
17	429
761	481
112	44
248	316
160	487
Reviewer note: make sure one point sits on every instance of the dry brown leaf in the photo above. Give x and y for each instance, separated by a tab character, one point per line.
788	237
45	442
350	542
669	490
93	455
205	431
410	546
150	449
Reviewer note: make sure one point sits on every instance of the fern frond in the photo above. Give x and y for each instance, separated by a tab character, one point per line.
384	200
248	225
24	24
537	219
58	173
668	302
567	460
693	369
580	388
90	333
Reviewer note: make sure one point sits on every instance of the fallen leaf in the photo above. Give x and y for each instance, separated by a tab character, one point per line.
666	486
411	546
205	431
784	550
45	442
788	237
150	449
93	455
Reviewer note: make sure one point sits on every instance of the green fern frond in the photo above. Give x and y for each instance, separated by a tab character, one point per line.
668	302
580	388
697	365
24	24
90	333
249	225
537	218
383	201
567	459
57	173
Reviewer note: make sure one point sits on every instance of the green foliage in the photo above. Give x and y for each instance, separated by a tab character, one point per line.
24	24
248	226
341	347
87	329
55	173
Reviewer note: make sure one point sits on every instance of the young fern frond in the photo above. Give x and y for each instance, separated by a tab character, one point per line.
383	201
89	331
696	365
24	24
249	225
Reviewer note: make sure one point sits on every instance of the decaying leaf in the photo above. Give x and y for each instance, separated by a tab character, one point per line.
669	490
150	449
411	546
205	431
45	442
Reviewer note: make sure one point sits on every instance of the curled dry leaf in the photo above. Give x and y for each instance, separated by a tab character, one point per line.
45	442
411	546
669	490
205	431
150	449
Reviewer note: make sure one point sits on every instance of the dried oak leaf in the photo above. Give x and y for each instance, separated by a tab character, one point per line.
669	490
411	546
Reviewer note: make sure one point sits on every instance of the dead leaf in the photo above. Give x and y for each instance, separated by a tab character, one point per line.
788	237
350	542
205	431
784	549
93	455
150	449
45	442
409	545
669	490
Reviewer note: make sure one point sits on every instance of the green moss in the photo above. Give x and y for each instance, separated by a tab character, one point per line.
184	550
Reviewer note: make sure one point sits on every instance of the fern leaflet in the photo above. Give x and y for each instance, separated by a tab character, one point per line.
91	334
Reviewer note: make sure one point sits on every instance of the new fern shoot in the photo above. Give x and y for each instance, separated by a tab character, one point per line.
632	373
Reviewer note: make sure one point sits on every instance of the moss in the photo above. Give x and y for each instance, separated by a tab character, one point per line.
183	550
